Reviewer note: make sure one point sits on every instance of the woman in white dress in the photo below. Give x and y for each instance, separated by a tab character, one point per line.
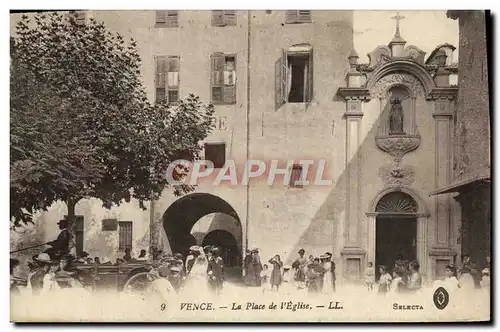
197	281
328	276
50	284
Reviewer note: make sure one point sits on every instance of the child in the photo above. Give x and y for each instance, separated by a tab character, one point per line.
264	277
369	276
485	279
384	283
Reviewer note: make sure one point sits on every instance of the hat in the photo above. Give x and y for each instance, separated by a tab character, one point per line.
486	271
215	249
178	256
195	248
43	257
323	256
179	261
329	254
255	251
302	251
63	221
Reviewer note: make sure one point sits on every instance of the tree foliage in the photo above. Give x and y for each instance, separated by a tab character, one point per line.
81	122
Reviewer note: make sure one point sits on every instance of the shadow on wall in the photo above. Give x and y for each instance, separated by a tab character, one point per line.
326	225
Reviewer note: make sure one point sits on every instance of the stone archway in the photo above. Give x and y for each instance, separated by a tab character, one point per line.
182	215
402	205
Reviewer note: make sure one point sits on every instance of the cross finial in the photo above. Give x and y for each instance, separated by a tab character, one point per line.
397	18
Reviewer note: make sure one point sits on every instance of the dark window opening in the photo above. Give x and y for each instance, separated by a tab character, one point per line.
216	153
298	81
295	178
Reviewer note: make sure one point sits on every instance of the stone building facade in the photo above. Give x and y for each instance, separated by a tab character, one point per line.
472	164
291	88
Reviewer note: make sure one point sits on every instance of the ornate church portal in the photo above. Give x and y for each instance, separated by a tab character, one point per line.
399	135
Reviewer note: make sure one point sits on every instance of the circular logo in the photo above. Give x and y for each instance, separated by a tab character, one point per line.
441	298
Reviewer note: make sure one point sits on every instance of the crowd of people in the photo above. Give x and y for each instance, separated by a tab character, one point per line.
314	274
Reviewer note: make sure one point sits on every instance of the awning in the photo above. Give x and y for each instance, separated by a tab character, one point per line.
458	185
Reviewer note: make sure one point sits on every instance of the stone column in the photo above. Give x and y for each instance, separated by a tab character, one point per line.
422	249
353	117
443	168
371	246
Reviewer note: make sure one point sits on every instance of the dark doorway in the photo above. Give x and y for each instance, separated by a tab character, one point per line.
180	217
396	239
230	252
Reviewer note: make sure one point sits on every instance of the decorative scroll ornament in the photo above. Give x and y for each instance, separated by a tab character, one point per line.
396	175
385	83
398	145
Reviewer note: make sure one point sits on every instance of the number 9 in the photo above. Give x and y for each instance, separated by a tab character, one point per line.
163	306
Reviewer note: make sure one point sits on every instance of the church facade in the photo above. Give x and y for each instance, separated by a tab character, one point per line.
291	88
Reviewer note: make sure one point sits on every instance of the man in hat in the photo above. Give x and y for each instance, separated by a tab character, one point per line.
193	250
215	271
248	268
60	246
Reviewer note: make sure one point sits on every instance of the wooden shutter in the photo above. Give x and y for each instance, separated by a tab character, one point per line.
292	16
229	17
217	18
160	78
80	18
304	16
310	79
172	19
284	76
280	79
217	77
161	17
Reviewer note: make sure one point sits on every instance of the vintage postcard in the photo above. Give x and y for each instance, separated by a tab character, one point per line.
250	166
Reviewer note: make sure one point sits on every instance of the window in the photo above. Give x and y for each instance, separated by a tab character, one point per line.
294	76
216	153
167	18
295	178
298	16
80	17
125	235
223	80
167	78
222	18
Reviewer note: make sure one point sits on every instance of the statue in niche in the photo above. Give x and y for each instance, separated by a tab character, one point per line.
396	118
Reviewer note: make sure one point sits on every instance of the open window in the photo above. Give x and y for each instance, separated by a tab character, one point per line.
294	75
216	153
167	78
223	80
296	176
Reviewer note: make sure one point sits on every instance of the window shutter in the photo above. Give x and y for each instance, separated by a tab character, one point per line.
161	16
125	235
160	78
310	79
284	77
172	18
230	17
278	98
292	16
217	18
217	77
229	94
304	16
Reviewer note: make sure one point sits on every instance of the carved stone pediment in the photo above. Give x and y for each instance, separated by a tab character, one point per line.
398	145
396	175
380	55
414	53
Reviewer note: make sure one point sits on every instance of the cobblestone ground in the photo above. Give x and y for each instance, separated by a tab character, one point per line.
349	303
